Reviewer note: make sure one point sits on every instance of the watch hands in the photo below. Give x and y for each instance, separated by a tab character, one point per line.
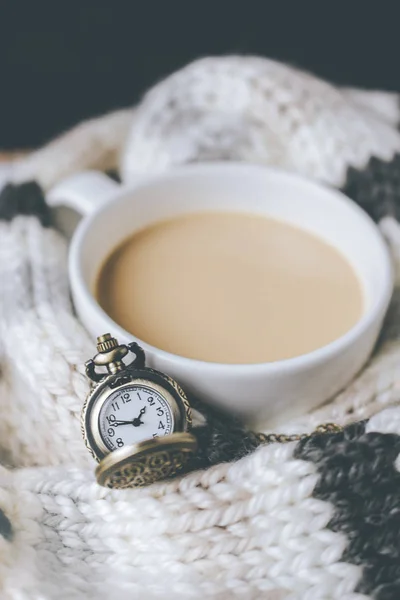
135	422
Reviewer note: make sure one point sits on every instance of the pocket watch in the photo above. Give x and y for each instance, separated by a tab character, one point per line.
135	421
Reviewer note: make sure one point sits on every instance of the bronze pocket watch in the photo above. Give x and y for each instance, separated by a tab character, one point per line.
136	421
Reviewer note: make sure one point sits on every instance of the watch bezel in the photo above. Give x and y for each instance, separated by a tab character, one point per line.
165	386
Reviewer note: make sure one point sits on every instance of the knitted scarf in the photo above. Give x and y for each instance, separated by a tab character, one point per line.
312	519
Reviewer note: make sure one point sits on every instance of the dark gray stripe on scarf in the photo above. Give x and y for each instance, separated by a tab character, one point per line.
358	476
25	199
376	188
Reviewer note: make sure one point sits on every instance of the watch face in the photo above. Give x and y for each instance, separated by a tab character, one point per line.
133	414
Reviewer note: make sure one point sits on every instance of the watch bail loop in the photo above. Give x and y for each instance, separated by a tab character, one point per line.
110	354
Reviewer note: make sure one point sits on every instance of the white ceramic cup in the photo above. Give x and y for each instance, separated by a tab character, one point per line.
263	394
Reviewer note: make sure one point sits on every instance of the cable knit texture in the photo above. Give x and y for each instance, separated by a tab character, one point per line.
310	520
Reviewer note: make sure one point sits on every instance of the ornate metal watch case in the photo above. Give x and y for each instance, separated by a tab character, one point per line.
149	407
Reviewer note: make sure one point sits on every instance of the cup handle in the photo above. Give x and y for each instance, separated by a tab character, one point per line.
83	192
78	196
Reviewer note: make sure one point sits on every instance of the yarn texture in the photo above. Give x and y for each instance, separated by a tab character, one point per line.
316	519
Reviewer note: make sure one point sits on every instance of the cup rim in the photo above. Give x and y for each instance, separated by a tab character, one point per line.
295	363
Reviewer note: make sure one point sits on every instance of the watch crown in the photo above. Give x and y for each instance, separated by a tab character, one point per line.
106	342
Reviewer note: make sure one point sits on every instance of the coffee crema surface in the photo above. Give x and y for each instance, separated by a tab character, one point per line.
230	288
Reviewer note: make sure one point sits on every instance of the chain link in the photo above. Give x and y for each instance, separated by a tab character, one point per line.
281	438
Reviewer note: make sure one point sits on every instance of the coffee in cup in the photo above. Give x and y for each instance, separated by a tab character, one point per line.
230	287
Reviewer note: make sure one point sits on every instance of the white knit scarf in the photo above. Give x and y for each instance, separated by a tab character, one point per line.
249	529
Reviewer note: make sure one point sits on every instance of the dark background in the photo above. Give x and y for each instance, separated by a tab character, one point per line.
61	62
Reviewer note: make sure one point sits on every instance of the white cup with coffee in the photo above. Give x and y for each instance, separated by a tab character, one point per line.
261	292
